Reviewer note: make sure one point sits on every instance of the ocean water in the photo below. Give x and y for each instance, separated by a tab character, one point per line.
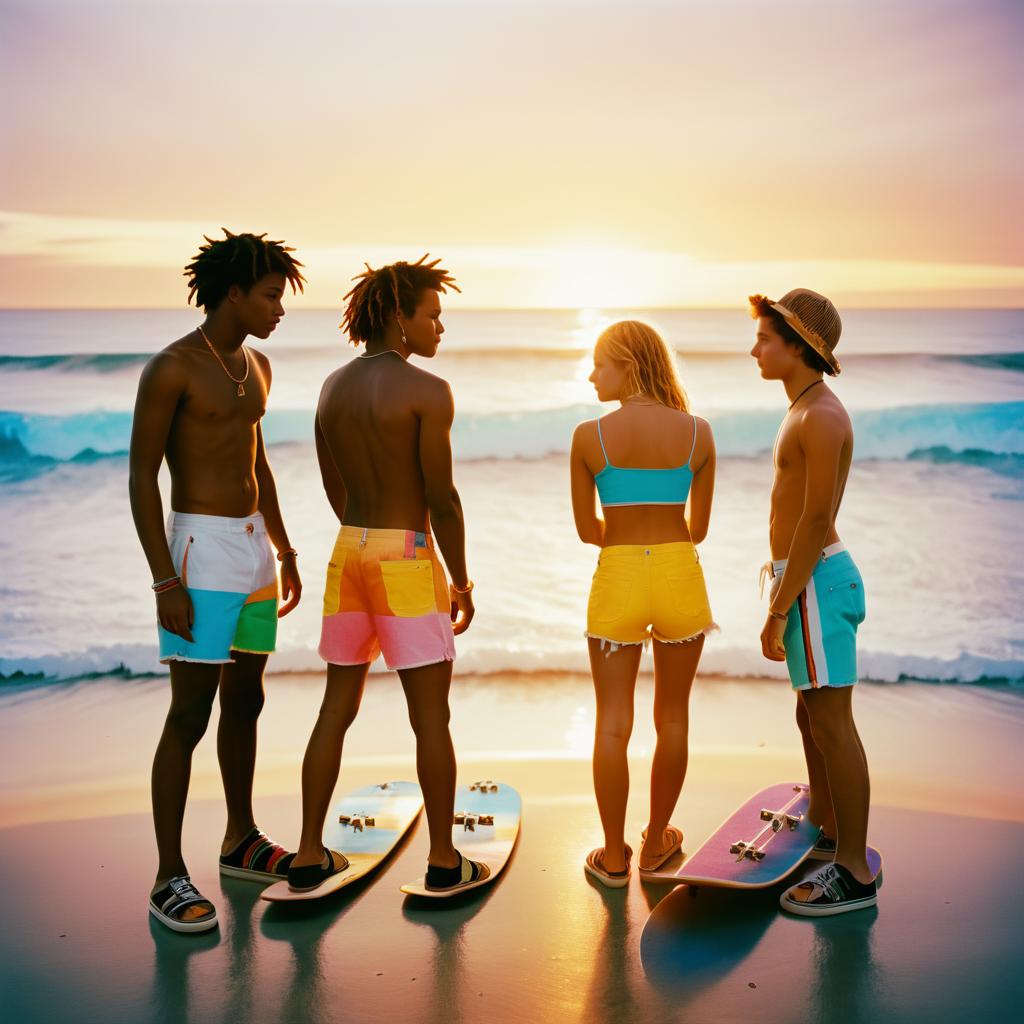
932	511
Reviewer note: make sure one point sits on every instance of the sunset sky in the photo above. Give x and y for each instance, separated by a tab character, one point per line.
554	154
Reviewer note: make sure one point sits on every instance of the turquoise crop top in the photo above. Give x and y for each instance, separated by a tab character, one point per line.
620	485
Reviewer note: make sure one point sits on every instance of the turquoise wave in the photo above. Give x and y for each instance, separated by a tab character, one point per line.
987	435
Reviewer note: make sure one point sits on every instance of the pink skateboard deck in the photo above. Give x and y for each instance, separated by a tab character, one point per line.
757	846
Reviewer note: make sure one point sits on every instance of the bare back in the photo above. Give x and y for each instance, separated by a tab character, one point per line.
370	416
653	437
812	459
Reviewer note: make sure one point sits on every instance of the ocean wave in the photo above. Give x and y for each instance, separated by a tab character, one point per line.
1005	463
990	435
111	362
101	362
139	660
991	360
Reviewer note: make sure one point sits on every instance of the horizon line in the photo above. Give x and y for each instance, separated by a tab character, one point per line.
917	308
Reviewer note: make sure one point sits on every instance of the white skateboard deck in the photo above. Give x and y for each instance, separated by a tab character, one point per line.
366	826
486	827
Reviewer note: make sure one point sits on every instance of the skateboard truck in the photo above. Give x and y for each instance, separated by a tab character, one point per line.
357	821
384	785
485	786
777	821
469	821
780	819
748	850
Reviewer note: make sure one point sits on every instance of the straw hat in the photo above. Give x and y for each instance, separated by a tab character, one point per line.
815	319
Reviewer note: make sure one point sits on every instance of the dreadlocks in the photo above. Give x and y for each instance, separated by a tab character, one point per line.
380	294
238	260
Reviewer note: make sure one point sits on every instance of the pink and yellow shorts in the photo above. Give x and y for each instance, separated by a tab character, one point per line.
386	593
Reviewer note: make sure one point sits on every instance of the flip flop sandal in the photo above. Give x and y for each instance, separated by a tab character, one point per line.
450	879
670	851
594	866
169	903
312	876
257	858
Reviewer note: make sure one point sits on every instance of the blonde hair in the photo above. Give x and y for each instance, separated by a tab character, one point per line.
651	367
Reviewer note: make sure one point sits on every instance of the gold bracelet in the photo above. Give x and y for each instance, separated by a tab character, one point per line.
777	615
462	590
287	551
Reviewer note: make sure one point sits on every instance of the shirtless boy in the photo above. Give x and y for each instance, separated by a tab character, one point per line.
382	438
817	594
199	405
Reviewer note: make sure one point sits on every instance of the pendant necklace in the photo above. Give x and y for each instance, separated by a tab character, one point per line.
240	381
804	392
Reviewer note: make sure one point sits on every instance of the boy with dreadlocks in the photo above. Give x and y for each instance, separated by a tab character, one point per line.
382	438
199	405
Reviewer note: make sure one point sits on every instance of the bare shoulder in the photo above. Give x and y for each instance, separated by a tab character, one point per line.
703	436
584	434
168	368
703	427
262	361
430	391
827	410
825	419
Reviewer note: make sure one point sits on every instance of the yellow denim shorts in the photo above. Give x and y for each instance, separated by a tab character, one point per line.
642	591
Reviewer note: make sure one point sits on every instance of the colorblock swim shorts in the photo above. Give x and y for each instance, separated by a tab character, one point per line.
642	591
386	593
229	570
821	631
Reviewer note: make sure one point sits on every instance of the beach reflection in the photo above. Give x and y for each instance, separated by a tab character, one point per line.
611	996
305	927
177	994
447	920
851	984
695	937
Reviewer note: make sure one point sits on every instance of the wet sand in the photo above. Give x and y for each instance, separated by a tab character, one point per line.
545	942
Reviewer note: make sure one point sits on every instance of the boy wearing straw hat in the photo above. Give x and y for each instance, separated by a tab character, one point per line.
817	594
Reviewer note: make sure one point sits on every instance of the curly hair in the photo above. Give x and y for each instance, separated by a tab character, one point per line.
381	293
761	305
651	366
238	260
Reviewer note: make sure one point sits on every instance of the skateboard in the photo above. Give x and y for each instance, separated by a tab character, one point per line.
760	844
370	824
485	829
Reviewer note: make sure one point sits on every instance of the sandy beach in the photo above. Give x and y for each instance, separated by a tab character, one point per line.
544	943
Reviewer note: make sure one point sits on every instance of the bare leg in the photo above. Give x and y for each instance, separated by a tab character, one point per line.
830	712
675	665
241	701
426	693
820	809
192	691
320	766
614	684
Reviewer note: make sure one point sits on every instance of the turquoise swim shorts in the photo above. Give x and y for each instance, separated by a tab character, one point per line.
821	631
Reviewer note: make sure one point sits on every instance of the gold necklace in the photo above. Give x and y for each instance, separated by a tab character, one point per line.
240	381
